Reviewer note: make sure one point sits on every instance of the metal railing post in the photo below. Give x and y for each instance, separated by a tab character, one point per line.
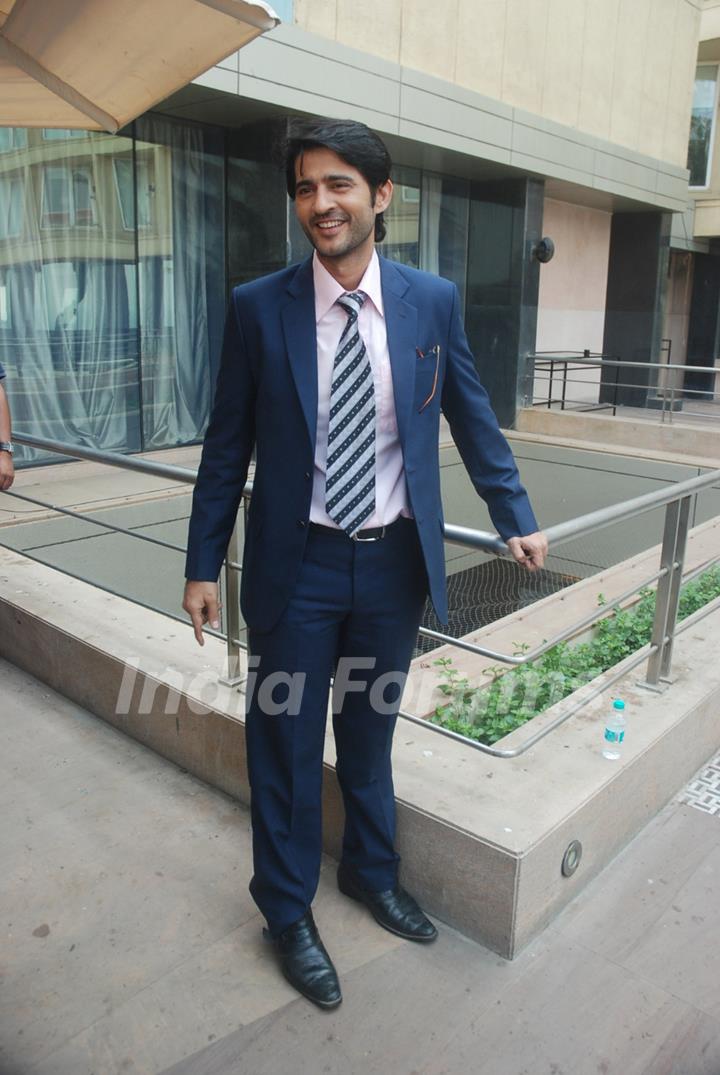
672	557
233	674
564	386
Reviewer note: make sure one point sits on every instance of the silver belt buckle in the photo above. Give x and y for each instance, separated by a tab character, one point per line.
356	537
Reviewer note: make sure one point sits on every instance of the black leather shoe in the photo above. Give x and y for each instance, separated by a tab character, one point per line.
305	962
394	909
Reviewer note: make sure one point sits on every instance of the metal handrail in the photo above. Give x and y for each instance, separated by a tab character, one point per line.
584	360
676	499
577	361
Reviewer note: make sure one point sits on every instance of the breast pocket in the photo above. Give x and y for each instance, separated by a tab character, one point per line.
427	376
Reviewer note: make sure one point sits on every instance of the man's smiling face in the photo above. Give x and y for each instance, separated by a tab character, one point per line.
335	205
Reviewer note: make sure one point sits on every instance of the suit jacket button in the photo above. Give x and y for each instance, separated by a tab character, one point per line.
307	475
301	523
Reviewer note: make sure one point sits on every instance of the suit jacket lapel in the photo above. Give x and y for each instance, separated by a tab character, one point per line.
298	320
401	325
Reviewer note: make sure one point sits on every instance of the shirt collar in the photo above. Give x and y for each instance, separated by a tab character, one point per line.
328	290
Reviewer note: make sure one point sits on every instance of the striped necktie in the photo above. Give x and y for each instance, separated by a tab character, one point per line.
350	468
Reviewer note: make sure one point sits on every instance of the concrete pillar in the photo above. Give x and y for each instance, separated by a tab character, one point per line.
502	287
704	325
637	279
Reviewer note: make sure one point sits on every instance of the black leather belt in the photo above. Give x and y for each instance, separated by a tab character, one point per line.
372	534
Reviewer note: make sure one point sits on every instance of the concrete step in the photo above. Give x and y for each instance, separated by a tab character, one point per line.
675	441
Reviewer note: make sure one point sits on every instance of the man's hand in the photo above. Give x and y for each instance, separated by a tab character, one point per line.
529	551
7	471
201	604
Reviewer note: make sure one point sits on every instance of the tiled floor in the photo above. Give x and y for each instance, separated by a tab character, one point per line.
703	792
131	945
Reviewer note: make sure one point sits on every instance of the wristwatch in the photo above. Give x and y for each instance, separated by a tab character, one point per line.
7	446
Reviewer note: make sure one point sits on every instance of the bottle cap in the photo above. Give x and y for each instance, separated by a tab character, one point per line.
618	704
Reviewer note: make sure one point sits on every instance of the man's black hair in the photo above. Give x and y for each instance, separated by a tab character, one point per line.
354	142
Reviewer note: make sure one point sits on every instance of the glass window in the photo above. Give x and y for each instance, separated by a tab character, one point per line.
702	125
67	294
67	196
4	301
444	228
258	241
56	196
12	138
181	274
11	206
123	170
402	219
83	201
61	134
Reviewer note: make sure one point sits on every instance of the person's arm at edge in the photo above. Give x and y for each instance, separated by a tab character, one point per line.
7	470
485	451
226	454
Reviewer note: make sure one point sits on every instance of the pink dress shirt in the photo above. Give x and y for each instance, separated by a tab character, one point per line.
391	498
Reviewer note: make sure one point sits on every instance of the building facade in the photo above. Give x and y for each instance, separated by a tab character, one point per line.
507	119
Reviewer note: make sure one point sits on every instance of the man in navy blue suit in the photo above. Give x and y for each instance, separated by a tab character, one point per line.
335	373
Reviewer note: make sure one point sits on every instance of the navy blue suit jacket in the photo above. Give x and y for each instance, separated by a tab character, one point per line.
266	399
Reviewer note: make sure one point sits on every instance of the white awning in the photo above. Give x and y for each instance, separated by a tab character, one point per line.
97	64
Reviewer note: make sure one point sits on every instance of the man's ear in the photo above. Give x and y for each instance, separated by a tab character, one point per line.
383	196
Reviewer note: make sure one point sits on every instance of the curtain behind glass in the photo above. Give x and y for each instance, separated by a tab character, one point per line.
402	219
256	214
444	228
181	255
66	291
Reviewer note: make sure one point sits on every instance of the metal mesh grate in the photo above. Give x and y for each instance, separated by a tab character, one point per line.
487	592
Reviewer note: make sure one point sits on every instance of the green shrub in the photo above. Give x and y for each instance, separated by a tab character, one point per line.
489	712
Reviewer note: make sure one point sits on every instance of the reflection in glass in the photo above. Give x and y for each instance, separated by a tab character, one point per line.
68	197
62	134
444	228
12	138
181	275
256	214
112	268
125	190
12	202
402	219
66	338
702	124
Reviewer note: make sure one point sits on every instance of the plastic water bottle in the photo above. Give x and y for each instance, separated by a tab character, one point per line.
614	731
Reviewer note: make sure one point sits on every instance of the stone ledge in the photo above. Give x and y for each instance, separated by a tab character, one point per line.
481	839
672	440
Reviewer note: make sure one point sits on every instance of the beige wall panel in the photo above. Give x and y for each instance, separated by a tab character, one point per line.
570	330
429	35
525	36
378	33
630	47
620	70
562	75
657	62
481	45
707	219
710	20
681	80
598	68
573	285
318	17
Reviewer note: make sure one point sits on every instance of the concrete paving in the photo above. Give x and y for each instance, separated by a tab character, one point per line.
131	944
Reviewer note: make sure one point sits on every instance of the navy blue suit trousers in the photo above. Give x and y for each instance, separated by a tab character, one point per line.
354	615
